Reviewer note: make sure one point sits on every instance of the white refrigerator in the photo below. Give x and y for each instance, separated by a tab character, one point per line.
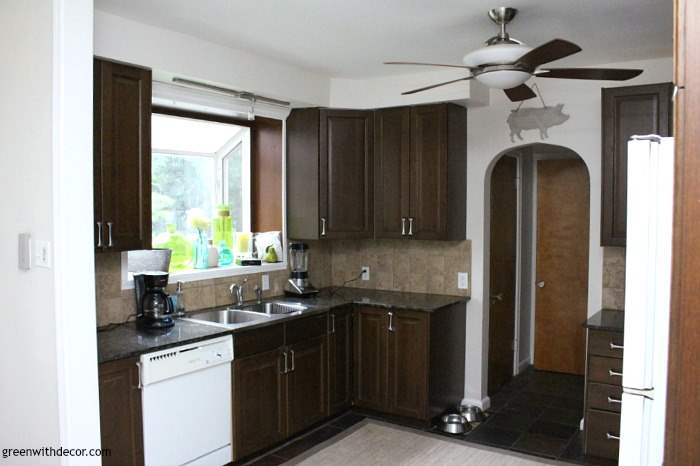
647	299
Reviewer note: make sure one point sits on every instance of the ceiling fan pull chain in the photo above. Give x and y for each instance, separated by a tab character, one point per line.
539	94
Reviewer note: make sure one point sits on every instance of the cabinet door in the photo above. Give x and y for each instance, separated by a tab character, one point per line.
345	175
428	185
307	388
340	360
408	364
370	364
258	402
391	172
627	111
122	160
121	428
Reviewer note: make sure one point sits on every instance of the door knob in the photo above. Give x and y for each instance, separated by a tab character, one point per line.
497	297
540	284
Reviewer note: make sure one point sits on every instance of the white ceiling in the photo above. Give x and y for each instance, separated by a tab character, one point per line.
352	38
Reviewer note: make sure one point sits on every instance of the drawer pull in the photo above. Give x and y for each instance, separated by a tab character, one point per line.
613	346
613	373
610	436
612	400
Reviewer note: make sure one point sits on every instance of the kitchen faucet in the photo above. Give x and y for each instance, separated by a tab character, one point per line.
236	291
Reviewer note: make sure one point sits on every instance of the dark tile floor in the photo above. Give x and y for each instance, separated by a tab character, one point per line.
537	413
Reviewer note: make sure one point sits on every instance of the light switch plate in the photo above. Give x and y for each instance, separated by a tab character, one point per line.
462	280
42	254
365	273
265	282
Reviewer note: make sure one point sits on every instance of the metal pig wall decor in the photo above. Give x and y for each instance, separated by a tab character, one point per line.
523	119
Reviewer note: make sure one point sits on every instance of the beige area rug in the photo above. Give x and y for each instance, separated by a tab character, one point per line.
374	443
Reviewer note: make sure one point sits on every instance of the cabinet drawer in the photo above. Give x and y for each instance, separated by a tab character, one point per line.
309	327
600	426
605	343
258	340
604	397
603	369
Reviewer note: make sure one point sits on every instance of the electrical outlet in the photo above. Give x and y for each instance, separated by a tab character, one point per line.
462	280
365	273
265	282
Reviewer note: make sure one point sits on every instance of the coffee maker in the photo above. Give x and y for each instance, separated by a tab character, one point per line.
153	306
298	284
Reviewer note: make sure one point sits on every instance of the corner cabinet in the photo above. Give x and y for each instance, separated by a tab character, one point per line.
121	428
329	174
627	111
122	156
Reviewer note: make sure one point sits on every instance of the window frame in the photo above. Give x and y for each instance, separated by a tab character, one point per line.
246	138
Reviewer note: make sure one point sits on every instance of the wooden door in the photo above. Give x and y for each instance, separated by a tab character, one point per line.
259	403
561	303
121	428
627	111
504	205
307	387
409	335
122	159
340	360
428	177
391	172
370	358
346	166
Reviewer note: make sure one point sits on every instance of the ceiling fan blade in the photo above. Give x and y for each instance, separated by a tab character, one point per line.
436	85
550	51
425	64
520	93
603	74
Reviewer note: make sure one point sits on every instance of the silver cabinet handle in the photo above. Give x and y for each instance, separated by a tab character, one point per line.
332	323
109	235
285	363
611	436
613	346
403	226
496	297
323	226
391	322
612	400
292	353
410	226
613	373
99	235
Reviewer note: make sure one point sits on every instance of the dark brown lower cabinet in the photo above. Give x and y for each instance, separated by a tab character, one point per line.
371	364
340	354
121	428
259	403
306	384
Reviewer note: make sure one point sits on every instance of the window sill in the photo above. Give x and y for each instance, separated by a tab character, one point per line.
207	274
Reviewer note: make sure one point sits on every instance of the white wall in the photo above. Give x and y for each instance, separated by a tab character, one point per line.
48	394
488	136
187	56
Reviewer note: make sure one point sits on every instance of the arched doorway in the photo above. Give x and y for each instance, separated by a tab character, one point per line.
538	262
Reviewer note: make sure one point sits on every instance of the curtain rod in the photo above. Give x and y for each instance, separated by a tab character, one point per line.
238	94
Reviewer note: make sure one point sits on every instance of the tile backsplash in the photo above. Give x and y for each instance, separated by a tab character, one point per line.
614	278
418	266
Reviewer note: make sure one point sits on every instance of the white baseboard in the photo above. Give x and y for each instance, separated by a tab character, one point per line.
523	365
484	403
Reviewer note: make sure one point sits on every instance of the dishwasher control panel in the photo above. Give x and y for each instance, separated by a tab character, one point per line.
172	362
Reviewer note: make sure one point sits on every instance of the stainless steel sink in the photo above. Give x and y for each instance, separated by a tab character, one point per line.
275	307
229	316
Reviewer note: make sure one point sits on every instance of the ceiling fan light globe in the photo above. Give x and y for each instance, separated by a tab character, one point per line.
497	54
503	79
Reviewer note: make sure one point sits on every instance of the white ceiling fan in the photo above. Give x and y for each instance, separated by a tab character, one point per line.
507	63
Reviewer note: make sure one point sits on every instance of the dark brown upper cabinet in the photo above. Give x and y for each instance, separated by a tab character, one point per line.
122	156
420	172
627	111
329	174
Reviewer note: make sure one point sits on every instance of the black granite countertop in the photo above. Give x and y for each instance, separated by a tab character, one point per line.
128	340
610	320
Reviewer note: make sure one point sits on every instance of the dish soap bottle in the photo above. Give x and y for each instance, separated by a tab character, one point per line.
178	301
212	255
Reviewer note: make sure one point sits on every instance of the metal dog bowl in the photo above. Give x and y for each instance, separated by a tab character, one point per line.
472	413
454	424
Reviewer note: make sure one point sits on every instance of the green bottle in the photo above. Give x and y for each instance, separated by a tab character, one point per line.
222	226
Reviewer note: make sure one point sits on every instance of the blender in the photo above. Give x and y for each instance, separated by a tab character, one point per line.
298	284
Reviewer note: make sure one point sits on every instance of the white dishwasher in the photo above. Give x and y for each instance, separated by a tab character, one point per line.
186	402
